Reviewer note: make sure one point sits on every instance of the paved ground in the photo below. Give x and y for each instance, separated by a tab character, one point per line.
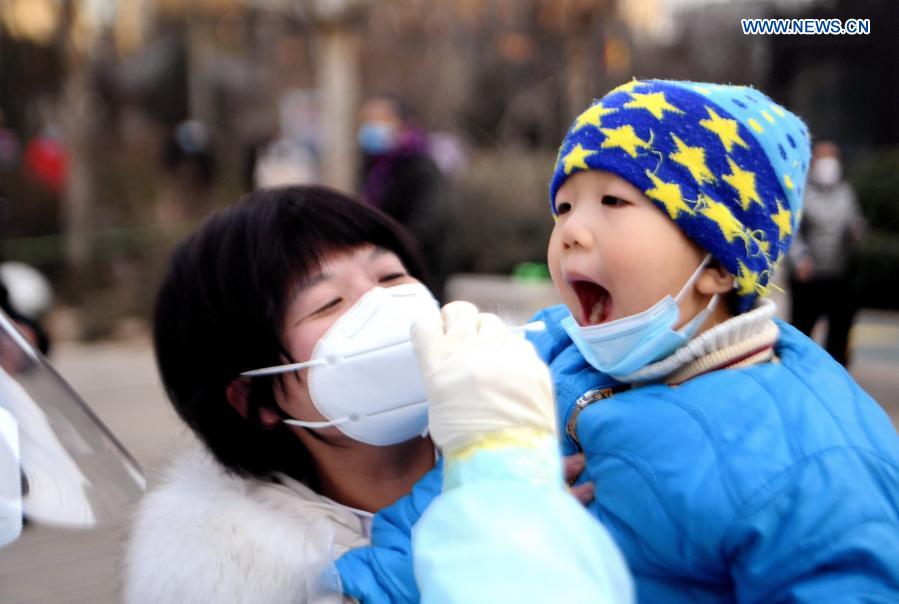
118	380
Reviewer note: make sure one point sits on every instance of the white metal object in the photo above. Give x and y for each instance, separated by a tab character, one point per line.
10	480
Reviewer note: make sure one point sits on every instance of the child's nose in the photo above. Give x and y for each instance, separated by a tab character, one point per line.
575	234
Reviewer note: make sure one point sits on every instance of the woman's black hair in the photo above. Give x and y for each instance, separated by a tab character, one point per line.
221	307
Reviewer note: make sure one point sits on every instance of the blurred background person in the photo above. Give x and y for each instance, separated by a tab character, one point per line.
190	169
400	178
283	162
831	226
292	154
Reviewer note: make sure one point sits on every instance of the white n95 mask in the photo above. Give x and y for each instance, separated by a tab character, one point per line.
363	374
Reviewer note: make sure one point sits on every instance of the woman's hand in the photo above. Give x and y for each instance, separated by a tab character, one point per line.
481	378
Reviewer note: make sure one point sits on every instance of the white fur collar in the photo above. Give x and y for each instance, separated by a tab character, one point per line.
206	535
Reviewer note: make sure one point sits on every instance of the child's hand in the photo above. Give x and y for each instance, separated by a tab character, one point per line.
574	465
481	378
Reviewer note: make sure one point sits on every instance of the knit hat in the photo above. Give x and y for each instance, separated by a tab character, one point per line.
726	163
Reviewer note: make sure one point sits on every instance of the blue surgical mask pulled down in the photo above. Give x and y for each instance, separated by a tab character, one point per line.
622	347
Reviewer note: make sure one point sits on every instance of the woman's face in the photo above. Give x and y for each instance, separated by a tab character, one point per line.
320	300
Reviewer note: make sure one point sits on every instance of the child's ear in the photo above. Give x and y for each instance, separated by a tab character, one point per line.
238	393
715	279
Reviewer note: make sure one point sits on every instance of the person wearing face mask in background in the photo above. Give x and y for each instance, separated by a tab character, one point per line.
400	178
282	337
820	258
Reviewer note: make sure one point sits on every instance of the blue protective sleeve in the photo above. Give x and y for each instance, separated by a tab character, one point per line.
382	572
505	530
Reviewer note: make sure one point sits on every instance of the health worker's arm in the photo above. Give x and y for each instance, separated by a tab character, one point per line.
504	528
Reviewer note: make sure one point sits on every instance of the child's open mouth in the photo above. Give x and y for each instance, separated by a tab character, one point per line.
596	303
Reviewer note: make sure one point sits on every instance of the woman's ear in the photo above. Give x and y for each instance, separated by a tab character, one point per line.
238	394
269	417
715	279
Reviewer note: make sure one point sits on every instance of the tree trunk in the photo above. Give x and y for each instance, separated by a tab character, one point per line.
337	74
78	115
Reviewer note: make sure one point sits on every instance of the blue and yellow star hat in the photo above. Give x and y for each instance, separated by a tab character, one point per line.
726	163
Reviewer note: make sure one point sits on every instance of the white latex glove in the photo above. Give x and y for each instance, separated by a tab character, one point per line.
480	377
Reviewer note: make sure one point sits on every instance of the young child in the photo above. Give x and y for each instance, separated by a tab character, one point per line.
733	459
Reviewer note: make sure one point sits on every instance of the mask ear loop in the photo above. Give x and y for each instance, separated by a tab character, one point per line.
353	417
700	318
692	279
279	369
330	359
336	422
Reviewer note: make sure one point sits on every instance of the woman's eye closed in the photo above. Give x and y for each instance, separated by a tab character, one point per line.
328	305
391	277
611	200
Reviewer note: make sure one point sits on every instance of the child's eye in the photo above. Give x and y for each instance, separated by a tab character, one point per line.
391	277
563	208
610	200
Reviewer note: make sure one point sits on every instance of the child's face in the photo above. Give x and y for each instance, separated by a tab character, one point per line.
613	253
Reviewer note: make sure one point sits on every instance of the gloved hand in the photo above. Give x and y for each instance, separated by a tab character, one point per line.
480	376
382	572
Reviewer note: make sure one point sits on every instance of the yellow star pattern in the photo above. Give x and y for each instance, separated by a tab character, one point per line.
730	227
783	220
592	117
692	158
669	194
655	103
726	130
627	86
748	280
744	182
624	138
575	158
788	182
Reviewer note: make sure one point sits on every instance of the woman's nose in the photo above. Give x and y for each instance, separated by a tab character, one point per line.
363	283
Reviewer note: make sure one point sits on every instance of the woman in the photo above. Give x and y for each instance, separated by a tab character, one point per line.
282	335
262	510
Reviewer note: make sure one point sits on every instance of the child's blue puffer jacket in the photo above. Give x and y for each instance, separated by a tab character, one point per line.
777	482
